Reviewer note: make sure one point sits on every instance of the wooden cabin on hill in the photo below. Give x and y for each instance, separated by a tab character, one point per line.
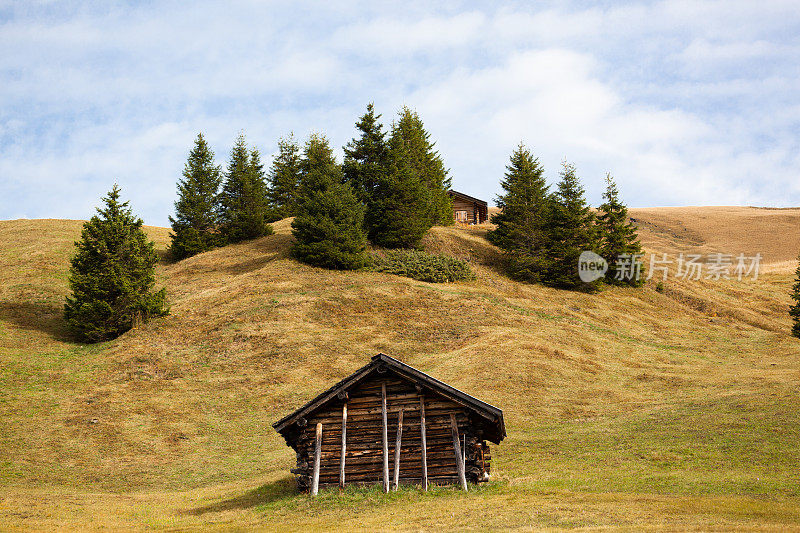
392	424
468	210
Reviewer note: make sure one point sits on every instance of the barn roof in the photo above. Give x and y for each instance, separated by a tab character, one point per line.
466	197
492	414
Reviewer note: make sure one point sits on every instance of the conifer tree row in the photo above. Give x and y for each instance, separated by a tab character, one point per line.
543	234
399	181
393	188
205	216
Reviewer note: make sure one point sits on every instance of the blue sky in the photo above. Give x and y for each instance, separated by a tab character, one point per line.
684	102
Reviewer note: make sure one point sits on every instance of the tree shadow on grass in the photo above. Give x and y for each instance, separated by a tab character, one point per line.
36	316
251	265
256	254
164	257
268	493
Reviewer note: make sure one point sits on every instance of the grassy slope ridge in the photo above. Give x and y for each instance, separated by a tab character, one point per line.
630	408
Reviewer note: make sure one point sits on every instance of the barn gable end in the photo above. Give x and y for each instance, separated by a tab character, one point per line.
360	396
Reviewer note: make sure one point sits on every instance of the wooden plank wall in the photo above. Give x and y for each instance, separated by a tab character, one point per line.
463	205
364	452
476	214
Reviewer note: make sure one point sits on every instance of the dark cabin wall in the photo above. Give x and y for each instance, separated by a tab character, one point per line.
364	456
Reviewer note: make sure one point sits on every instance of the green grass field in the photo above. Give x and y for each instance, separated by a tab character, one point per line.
630	409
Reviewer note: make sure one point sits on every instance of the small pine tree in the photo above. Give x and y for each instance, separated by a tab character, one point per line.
243	204
258	205
365	157
112	275
423	159
523	221
618	237
194	228
571	231
284	179
329	226
794	310
318	168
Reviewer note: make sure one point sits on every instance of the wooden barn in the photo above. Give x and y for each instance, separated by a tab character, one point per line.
392	424
468	210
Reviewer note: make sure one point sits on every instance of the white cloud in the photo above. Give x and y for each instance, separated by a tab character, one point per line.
390	36
685	102
554	102
701	50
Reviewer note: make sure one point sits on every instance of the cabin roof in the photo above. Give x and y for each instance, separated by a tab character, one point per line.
493	414
466	197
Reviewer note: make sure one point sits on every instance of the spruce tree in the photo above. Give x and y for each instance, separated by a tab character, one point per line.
399	213
619	241
794	310
571	231
410	196
243	204
318	168
522	224
329	226
112	275
259	202
284	179
365	157
194	228
424	160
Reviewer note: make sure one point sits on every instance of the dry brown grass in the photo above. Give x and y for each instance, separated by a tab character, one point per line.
772	232
629	408
734	230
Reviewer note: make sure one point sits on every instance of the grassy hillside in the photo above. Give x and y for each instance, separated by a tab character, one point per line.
771	231
632	408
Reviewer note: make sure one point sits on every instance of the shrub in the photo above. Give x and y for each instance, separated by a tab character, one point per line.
422	266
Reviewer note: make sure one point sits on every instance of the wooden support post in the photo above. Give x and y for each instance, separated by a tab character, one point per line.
317	454
424	436
397	449
344	445
457	451
385	439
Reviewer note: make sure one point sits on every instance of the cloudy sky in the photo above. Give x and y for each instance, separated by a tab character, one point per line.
684	102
